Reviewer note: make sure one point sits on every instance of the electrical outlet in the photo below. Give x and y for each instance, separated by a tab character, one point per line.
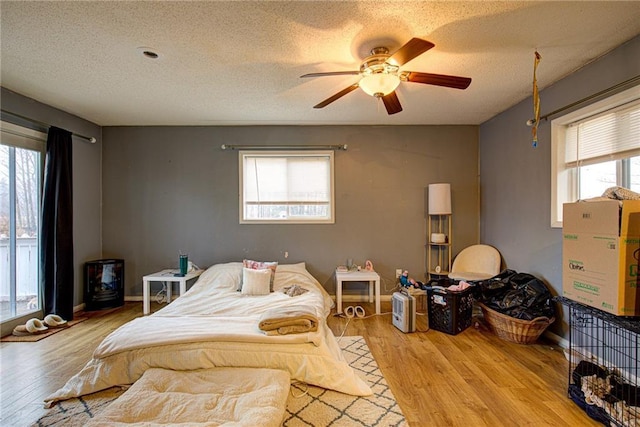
398	272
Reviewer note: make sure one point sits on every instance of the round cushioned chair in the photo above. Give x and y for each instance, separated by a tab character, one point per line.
476	262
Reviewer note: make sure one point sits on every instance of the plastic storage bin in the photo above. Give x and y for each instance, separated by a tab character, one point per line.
450	312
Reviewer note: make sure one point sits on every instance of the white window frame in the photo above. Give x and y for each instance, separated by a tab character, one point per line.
283	154
21	137
564	182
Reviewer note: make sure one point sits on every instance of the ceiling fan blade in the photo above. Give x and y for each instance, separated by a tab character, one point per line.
392	103
338	95
438	79
410	50
332	73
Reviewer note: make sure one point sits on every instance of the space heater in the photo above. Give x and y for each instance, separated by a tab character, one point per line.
404	312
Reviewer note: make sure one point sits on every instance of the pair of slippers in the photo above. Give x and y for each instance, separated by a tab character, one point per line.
36	326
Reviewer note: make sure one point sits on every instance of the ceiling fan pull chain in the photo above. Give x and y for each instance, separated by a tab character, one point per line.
536	101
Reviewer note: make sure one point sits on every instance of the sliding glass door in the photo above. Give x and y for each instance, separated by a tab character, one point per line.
21	158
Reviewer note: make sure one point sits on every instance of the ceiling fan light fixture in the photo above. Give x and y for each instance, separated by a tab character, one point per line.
379	84
380	75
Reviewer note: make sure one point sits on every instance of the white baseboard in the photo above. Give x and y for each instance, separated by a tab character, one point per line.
557	339
345	298
360	298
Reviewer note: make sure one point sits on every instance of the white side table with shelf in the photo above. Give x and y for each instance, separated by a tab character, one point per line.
358	276
168	277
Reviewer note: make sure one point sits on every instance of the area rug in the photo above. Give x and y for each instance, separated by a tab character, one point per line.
38	337
80	317
320	407
307	406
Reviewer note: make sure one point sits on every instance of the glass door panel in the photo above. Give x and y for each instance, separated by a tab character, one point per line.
20	178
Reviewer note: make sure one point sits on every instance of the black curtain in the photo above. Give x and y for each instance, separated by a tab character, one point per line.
57	225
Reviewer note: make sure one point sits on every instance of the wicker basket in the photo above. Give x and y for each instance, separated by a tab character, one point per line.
515	330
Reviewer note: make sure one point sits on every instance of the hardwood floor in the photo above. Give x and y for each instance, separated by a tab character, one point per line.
470	379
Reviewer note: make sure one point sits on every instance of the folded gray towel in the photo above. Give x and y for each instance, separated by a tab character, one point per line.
294	290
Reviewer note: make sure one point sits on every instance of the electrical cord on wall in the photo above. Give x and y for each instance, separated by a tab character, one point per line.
396	285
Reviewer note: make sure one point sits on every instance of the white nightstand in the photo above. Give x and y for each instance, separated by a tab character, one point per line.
358	276
169	277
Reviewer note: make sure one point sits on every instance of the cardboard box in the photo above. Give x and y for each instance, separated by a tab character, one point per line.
600	252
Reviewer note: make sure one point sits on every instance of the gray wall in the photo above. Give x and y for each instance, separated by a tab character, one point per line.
515	179
172	188
87	175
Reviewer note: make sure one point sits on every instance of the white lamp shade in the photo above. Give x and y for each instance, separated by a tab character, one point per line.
439	199
379	84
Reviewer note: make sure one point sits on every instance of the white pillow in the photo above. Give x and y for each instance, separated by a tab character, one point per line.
256	282
260	265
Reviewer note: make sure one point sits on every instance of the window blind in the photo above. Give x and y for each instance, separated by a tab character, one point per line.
610	135
17	136
287	179
295	187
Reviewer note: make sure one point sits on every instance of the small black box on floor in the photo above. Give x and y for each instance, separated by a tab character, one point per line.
450	311
103	284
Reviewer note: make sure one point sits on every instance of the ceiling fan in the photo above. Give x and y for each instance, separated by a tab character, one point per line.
380	75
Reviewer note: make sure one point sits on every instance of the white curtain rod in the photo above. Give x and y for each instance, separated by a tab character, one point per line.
283	147
91	139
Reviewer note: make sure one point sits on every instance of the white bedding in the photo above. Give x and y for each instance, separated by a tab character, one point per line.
188	344
230	397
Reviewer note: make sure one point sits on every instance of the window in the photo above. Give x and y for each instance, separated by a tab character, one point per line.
286	187
21	154
595	148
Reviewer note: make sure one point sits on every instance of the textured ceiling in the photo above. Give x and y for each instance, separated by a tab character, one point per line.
239	63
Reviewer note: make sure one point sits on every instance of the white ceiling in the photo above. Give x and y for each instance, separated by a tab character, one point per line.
238	63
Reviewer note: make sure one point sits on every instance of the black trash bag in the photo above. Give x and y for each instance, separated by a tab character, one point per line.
536	292
512	300
494	286
493	290
519	295
534	295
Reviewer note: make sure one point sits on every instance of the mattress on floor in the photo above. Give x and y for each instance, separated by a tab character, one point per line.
207	397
